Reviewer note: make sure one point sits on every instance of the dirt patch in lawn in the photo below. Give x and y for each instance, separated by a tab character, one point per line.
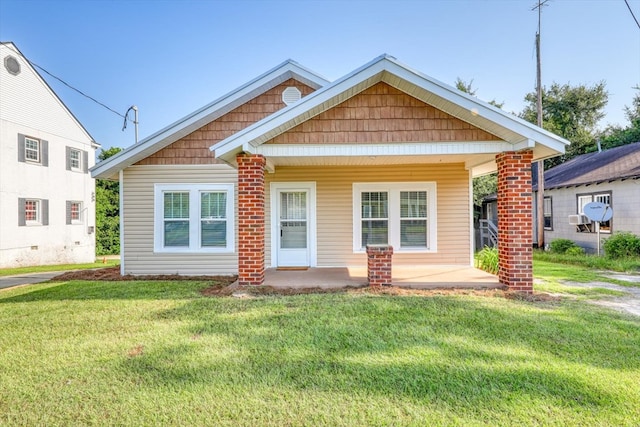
113	274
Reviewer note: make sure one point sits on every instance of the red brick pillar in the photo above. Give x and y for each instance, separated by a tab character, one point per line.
515	220
250	219
379	264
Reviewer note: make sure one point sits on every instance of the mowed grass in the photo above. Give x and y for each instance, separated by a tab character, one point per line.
158	353
58	267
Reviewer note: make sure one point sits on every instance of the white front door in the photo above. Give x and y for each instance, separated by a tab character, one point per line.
293	225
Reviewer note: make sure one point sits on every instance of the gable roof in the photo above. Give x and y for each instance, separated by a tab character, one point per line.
517	133
210	112
609	165
11	47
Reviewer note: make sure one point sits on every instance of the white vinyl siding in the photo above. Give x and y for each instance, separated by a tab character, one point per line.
395	214
138	222
193	218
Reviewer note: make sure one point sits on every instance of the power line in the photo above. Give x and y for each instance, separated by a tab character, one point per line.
63	82
631	11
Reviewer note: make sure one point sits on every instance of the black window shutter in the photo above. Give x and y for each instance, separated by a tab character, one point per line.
21	148
44	205
85	161
44	152
68	156
68	212
21	207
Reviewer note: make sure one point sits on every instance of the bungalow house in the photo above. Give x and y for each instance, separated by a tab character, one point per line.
47	196
291	170
611	177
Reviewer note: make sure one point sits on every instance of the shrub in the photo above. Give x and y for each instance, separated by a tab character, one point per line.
560	246
487	260
575	250
622	245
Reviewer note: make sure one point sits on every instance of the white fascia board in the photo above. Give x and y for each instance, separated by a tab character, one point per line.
186	125
399	149
486	110
307	103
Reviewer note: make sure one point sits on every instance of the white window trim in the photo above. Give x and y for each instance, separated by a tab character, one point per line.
79	167
194	191
38	149
38	220
394	189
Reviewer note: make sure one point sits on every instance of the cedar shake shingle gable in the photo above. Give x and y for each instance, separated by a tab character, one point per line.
616	163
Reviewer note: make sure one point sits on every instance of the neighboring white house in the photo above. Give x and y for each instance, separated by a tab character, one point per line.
47	196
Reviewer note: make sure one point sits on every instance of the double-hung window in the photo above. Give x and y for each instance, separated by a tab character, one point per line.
75	159
194	218
548	213
74	212
32	212
32	150
402	215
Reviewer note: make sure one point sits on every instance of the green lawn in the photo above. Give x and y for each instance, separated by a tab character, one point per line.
57	267
158	353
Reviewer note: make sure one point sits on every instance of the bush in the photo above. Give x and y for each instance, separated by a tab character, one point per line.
487	260
622	245
560	246
574	250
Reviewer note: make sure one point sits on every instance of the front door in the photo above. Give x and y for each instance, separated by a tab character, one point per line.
293	227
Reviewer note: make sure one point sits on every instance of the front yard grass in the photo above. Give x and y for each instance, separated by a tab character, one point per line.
159	353
58	267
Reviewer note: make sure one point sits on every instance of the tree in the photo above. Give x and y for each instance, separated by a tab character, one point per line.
614	136
107	211
571	112
487	184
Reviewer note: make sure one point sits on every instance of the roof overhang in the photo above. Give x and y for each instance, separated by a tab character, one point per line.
515	134
289	69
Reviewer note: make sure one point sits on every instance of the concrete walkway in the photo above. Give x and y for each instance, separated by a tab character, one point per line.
630	303
27	279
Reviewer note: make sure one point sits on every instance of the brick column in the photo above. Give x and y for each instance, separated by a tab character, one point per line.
250	219
379	264
515	220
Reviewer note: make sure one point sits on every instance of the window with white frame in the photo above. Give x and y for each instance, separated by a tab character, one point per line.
402	215
548	213
75	159
583	199
32	212
194	218
32	150
74	212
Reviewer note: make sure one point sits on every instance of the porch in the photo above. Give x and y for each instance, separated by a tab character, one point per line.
418	277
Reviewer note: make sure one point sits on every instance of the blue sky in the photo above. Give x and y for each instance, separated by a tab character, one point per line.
171	57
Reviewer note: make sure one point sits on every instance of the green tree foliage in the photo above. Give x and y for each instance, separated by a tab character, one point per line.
572	112
107	211
614	136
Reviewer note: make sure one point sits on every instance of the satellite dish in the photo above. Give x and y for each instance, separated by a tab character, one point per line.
598	211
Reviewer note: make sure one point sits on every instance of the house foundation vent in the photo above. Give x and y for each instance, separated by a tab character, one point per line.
291	95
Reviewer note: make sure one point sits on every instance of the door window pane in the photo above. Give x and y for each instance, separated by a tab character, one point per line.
293	220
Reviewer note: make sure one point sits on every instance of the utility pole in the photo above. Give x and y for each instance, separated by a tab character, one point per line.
539	166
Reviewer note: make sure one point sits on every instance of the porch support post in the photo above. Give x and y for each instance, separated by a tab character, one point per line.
379	265
251	219
515	220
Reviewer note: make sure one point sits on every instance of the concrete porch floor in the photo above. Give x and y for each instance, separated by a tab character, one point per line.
417	277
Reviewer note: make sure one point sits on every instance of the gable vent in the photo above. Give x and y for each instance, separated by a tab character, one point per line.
291	95
12	65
